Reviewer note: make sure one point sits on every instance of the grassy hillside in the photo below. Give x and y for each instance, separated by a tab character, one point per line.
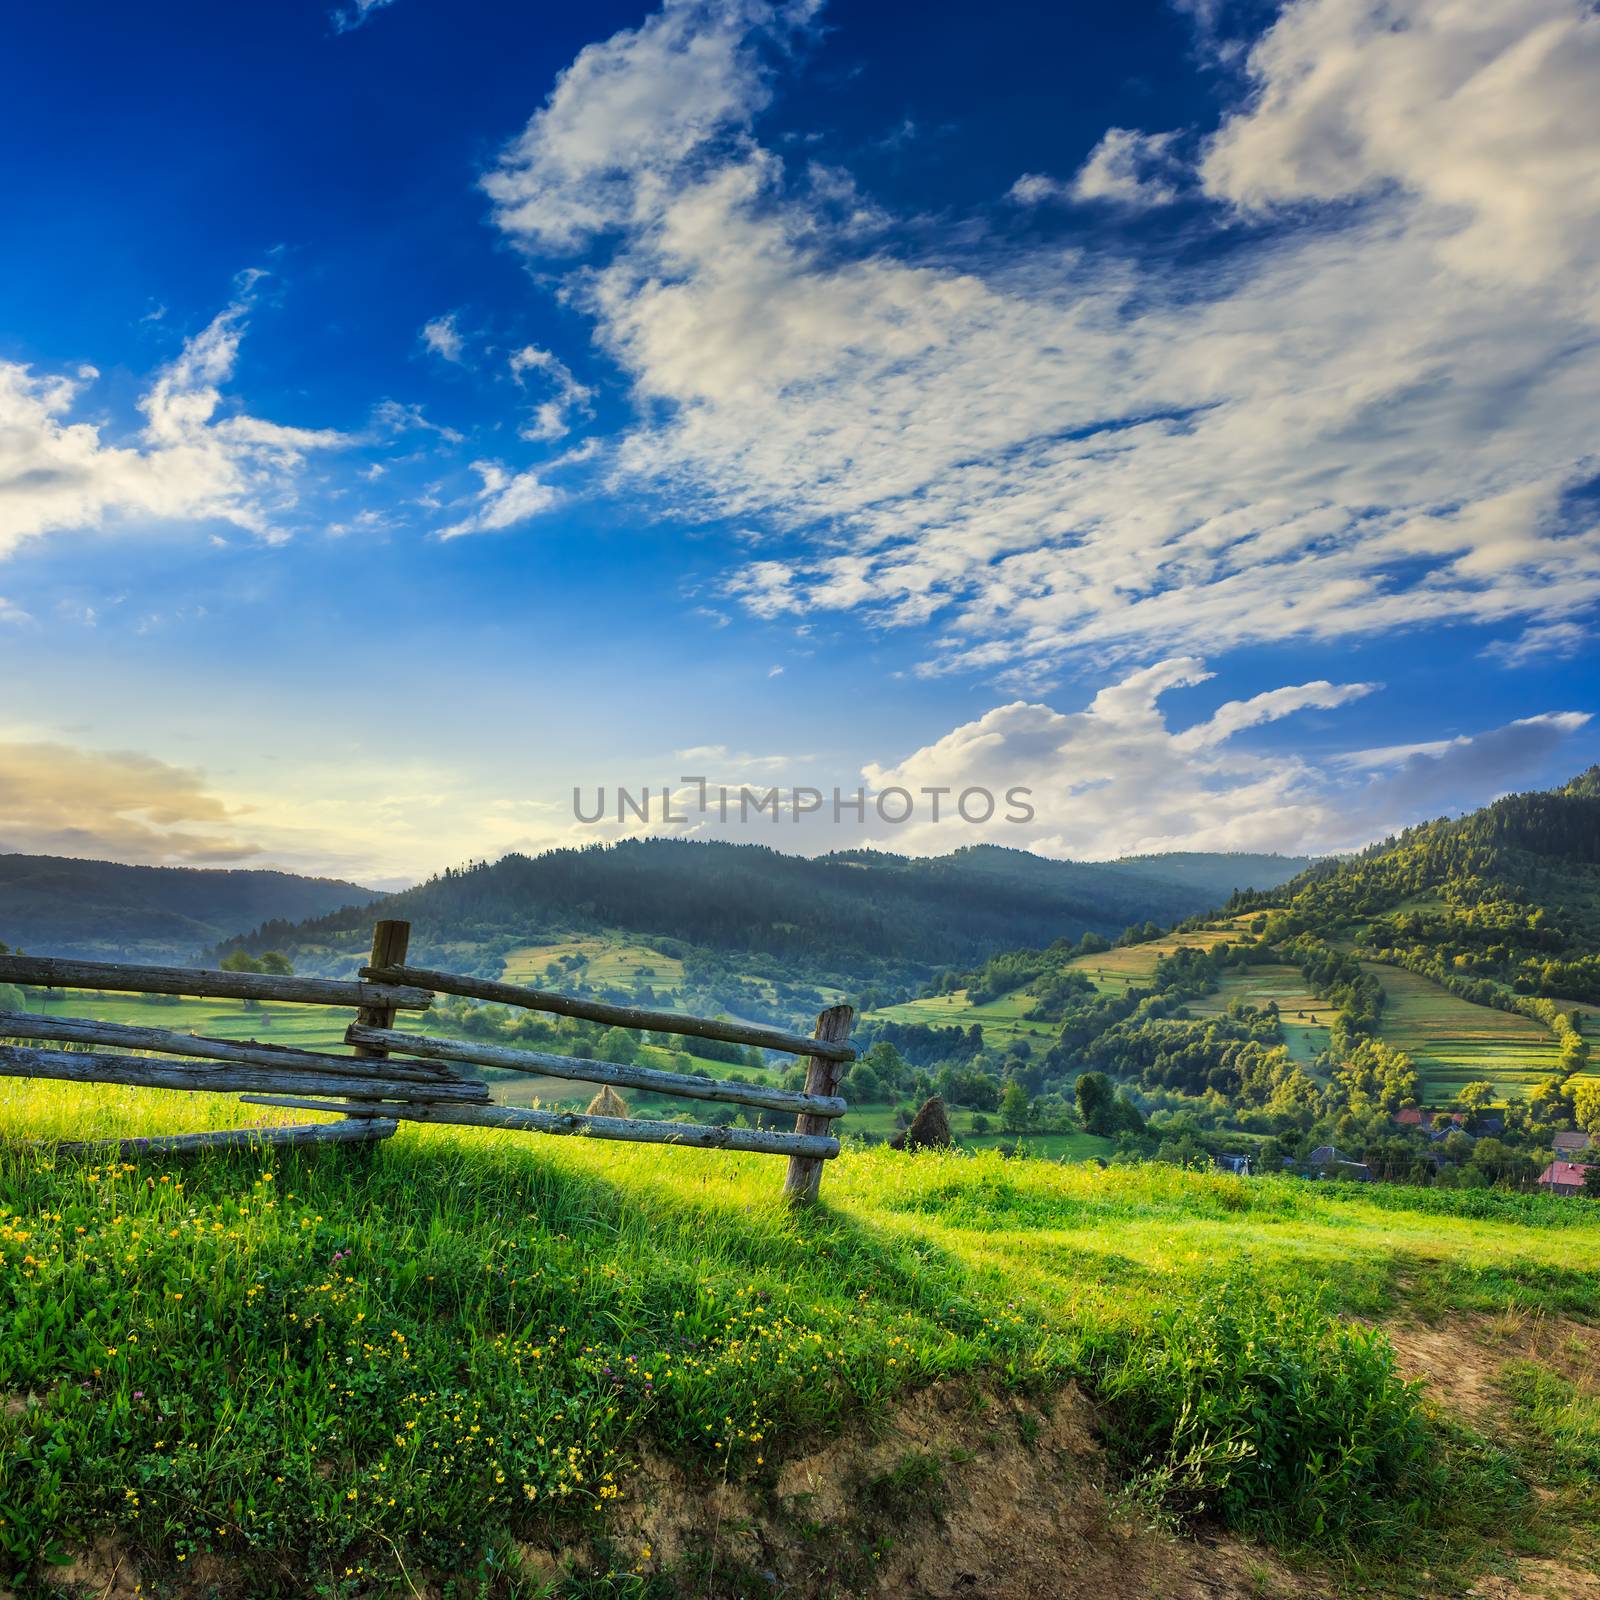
464	1361
102	910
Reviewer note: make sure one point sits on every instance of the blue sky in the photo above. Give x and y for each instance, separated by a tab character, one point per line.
1185	412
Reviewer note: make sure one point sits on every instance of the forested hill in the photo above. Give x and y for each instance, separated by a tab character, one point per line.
102	910
850	910
1505	897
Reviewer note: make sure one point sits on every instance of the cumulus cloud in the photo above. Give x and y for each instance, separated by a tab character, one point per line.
1129	168
1116	779
1485	114
1361	417
56	799
191	460
504	499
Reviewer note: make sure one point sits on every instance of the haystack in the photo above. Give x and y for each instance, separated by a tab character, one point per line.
608	1103
929	1130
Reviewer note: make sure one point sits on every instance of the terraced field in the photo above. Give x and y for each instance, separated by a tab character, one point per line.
1454	1041
604	963
1116	971
1305	1019
1002	1020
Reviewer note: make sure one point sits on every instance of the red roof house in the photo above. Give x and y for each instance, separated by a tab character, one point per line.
1563	1177
1411	1117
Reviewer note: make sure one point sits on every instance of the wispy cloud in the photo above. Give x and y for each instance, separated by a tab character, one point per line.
1366	415
552	417
191	461
346	19
58	799
1558	641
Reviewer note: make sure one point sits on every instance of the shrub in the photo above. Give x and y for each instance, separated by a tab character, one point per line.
1274	1415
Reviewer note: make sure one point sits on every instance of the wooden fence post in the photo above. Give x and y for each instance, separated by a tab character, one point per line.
804	1177
389	943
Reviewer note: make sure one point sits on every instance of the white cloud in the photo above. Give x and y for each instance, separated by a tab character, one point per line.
1486	114
1557	640
504	499
628	113
1361	419
1038	188
11	612
348	18
189	462
1115	779
1129	168
551	418
443	337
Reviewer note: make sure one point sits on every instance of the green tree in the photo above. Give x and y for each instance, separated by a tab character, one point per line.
1016	1109
1591	1182
617	1046
1094	1098
275	962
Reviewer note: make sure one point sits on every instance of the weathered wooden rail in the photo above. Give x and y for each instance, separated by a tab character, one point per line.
395	1076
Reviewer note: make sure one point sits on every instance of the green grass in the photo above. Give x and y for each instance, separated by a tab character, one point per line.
305	1027
401	1361
1454	1041
1305	1019
880	1122
1003	1020
1134	965
607	963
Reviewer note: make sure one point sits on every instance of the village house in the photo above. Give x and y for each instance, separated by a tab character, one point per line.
1564	1177
1327	1162
1569	1143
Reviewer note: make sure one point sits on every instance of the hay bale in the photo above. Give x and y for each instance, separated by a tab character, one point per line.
608	1103
929	1130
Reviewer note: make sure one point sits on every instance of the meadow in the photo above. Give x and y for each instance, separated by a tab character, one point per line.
1454	1042
604	963
360	1372
1129	966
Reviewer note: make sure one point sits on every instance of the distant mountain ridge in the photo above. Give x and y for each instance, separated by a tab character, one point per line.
104	910
851	909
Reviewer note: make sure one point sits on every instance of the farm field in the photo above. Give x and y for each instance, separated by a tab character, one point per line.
617	1298
1454	1042
1116	971
1002	1020
602	963
1304	1018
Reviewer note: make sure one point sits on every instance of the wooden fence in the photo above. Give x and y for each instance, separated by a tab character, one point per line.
394	1075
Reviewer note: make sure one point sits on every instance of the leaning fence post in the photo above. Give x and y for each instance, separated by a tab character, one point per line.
390	941
804	1177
